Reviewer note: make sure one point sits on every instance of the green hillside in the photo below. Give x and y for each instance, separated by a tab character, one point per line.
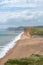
32	60
34	31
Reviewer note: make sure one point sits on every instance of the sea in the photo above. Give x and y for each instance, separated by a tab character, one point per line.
8	40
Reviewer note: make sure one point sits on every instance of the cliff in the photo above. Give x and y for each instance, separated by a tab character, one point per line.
27	34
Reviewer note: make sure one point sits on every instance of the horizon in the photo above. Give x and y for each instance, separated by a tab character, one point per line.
16	13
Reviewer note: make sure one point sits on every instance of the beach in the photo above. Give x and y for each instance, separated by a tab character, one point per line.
24	48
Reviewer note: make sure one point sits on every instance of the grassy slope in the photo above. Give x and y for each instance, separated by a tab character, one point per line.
38	31
32	60
34	31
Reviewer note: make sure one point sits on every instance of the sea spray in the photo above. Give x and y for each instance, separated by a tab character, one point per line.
10	45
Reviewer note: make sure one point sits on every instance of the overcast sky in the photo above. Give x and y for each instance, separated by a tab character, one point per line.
21	12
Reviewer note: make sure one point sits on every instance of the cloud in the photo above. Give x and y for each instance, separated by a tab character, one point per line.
18	3
21	3
4	16
29	15
19	16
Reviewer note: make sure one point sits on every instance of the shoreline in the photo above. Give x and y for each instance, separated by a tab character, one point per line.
24	48
10	45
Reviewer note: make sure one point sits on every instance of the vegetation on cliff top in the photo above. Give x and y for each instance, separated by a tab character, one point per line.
33	31
32	60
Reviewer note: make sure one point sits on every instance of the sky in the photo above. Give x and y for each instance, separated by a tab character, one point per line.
21	13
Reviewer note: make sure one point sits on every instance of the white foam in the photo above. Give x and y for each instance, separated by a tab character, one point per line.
9	46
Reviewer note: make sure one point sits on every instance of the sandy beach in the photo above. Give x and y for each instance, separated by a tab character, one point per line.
24	48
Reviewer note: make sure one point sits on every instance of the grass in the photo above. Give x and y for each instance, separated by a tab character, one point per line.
34	31
37	31
32	60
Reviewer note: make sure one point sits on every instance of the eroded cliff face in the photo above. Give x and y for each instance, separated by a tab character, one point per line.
27	34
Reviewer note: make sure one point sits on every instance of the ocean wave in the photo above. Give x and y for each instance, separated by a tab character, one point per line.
9	46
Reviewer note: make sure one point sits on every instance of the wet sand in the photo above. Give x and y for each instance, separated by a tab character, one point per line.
24	48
